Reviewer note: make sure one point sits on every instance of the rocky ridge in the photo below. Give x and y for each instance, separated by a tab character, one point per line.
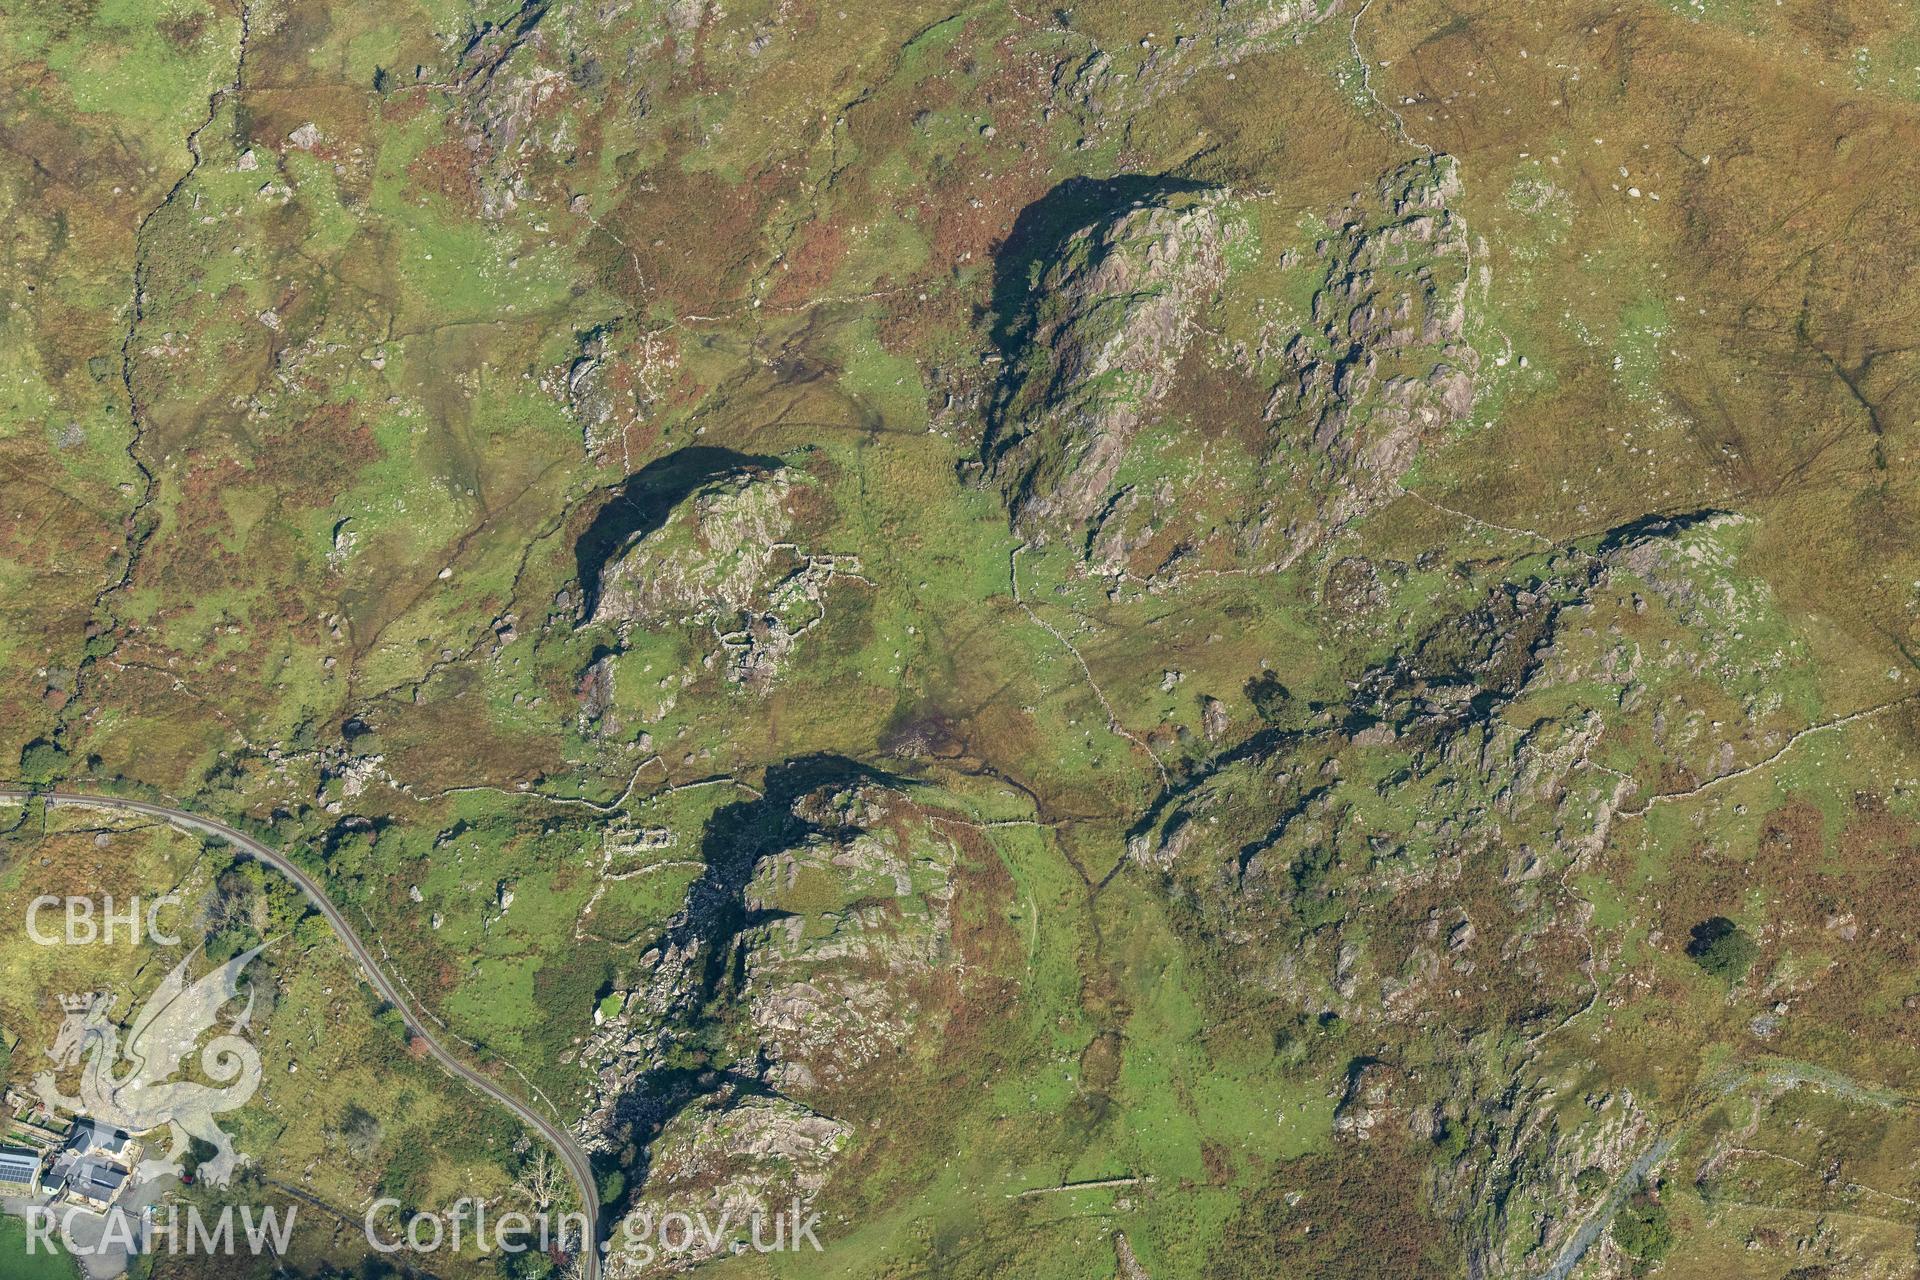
800	960
1123	338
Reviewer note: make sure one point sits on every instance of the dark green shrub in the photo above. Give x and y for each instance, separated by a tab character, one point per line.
1642	1229
42	761
1722	948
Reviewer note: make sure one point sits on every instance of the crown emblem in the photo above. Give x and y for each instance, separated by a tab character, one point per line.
78	1003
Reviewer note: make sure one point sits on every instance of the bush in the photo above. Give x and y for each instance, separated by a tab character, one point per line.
42	761
1271	699
313	933
361	1129
230	940
528	1266
1642	1229
1722	948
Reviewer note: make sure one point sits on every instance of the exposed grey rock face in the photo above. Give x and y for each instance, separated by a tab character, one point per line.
507	90
1384	366
727	1163
1118	312
1552	1156
716	554
1393	364
596	693
845	924
1153	318
726	561
1221	34
1418	845
613	385
1471	789
808	962
1369	1101
855	920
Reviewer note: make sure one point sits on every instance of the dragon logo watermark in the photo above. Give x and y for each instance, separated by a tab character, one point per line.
137	1086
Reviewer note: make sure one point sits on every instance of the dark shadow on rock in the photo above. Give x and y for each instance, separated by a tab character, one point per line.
1656	525
1042	229
739	835
716	915
641	503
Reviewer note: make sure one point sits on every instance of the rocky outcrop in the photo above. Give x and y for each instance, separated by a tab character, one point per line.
803	960
854	918
1369	1102
613	385
828	935
1285	871
1410	854
715	555
1386	365
737	1166
510	94
725	557
1169	403
1551	1156
1107	94
1108	323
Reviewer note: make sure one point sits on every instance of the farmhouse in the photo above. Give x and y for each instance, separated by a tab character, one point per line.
95	1184
94	1168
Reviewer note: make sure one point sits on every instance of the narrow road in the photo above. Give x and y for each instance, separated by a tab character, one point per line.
559	1139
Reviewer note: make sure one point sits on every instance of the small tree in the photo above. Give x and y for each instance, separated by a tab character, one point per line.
1722	948
1270	698
1642	1228
530	1265
540	1179
42	761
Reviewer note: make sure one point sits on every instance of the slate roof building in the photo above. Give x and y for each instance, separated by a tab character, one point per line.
95	1184
94	1167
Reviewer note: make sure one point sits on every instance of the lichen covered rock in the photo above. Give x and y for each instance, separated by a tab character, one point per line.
1111	320
1188	391
735	1168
